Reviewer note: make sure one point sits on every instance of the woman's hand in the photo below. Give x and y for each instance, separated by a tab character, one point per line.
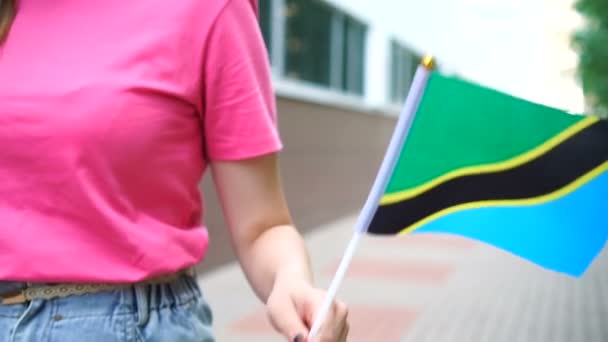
293	306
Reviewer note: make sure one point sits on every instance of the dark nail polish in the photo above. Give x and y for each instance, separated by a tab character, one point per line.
298	338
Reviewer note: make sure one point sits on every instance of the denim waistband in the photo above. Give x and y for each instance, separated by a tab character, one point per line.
50	291
174	311
11	287
139	298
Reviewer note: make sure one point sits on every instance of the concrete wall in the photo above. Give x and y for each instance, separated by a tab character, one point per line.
330	160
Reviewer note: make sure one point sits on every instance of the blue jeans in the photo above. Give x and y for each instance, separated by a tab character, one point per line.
170	312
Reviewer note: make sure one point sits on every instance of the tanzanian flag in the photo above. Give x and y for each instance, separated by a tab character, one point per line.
523	177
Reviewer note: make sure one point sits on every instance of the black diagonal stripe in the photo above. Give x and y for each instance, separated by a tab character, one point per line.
553	170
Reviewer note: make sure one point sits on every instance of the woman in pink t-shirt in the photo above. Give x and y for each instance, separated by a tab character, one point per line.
110	113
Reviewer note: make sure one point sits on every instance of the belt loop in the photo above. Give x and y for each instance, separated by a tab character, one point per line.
142	303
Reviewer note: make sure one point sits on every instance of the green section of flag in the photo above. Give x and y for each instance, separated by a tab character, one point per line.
459	124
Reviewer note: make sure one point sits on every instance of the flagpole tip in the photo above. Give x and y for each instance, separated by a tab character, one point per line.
428	62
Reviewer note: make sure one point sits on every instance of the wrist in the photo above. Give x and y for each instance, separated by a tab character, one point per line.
292	274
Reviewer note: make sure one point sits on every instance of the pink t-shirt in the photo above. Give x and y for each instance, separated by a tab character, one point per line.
106	108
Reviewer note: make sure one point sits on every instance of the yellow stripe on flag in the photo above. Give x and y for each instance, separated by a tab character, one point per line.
489	168
516	202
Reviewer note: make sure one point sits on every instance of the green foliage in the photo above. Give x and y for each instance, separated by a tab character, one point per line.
592	45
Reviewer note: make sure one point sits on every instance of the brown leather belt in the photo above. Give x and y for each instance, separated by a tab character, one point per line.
38	291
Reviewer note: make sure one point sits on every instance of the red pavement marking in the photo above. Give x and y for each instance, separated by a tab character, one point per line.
426	240
367	323
256	323
428	272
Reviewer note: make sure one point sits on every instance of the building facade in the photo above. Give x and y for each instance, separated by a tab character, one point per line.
342	69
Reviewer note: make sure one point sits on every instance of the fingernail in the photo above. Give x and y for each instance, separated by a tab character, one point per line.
298	338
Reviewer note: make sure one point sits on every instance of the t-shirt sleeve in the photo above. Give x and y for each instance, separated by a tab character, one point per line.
239	109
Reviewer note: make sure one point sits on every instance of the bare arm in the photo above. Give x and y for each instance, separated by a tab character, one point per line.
262	233
271	252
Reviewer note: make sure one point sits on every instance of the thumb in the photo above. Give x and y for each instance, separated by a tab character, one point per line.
286	319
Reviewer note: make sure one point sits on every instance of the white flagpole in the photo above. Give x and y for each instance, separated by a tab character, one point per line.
386	169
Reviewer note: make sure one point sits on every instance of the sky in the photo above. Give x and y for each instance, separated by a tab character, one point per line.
517	46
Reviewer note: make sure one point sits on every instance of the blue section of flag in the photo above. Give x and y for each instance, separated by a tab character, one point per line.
564	235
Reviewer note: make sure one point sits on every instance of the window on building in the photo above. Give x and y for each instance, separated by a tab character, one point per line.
308	41
354	56
265	16
404	63
315	43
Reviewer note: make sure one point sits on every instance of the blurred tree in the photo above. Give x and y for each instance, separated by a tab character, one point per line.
592	45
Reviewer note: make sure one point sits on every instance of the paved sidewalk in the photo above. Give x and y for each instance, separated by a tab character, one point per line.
431	288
